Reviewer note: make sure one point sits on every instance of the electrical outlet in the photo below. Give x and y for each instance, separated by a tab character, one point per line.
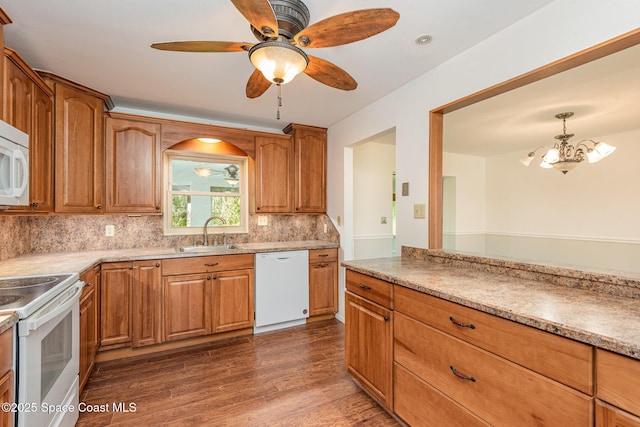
263	220
383	220
109	230
325	228
419	211
405	188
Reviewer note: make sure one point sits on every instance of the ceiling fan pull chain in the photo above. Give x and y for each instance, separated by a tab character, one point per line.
279	100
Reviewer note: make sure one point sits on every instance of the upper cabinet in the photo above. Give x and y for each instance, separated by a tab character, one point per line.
291	172
28	105
79	147
133	166
274	174
310	160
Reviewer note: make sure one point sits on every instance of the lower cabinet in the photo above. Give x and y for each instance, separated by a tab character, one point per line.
130	304
7	380
210	294
368	336
323	281
89	300
618	392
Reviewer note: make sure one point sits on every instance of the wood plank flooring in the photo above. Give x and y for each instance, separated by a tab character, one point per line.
291	377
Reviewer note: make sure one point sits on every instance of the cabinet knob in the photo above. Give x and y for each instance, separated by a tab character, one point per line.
386	318
208	277
34	204
157	264
130	267
157	208
258	208
99	207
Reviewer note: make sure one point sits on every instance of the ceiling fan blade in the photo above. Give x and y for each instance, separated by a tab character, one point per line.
257	84
329	74
347	27
260	14
203	46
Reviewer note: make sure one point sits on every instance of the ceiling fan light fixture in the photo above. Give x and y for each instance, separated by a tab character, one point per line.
279	62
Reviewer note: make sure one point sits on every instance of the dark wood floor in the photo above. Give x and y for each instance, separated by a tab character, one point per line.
291	377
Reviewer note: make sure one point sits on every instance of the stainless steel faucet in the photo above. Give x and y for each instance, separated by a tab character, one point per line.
206	224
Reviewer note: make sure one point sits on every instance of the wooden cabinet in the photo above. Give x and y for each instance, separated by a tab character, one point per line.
618	384
79	147
133	166
187	307
7	381
207	294
274	180
28	105
130	300
323	281
233	300
310	163
483	367
89	301
369	341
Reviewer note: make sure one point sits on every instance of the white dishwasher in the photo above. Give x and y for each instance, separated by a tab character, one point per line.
282	290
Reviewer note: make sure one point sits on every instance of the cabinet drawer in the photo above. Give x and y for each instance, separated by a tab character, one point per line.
206	264
370	288
501	392
417	403
556	357
618	379
322	255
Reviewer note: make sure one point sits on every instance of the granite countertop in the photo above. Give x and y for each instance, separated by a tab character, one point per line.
593	317
77	262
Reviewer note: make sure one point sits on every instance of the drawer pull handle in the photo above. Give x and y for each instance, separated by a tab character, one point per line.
323	255
212	265
462	325
323	265
365	287
459	375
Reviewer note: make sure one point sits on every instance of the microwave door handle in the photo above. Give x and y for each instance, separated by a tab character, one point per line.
19	158
33	323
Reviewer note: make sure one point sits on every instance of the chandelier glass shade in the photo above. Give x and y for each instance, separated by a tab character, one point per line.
278	61
564	156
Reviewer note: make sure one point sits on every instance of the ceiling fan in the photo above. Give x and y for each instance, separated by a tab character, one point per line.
281	28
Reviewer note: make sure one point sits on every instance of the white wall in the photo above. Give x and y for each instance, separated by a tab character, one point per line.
373	167
562	28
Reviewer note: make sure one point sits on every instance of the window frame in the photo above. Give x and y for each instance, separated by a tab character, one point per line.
243	194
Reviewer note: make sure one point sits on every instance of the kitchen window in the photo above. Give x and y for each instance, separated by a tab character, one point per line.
200	187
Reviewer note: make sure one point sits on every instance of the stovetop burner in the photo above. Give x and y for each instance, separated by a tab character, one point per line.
26	294
21	282
10	299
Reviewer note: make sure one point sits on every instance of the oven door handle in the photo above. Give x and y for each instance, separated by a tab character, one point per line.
51	310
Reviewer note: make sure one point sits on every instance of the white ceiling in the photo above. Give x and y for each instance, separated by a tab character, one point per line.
604	96
104	44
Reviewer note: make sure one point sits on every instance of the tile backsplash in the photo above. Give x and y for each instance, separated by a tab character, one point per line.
65	233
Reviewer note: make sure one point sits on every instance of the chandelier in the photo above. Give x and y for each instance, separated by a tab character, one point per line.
564	156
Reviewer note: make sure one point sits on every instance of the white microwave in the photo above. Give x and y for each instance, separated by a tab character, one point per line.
14	166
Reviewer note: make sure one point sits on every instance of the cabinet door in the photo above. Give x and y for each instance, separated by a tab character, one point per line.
41	153
368	346
133	165
233	300
87	334
6	396
115	304
79	151
274	175
323	288
610	416
187	306
310	169
18	97
146	303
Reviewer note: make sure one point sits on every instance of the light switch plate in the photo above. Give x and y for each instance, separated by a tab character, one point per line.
405	188
109	230
419	211
263	220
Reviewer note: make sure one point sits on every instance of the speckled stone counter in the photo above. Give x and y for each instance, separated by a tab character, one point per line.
7	321
77	262
594	315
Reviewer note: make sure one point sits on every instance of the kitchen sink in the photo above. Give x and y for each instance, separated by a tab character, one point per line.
206	248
